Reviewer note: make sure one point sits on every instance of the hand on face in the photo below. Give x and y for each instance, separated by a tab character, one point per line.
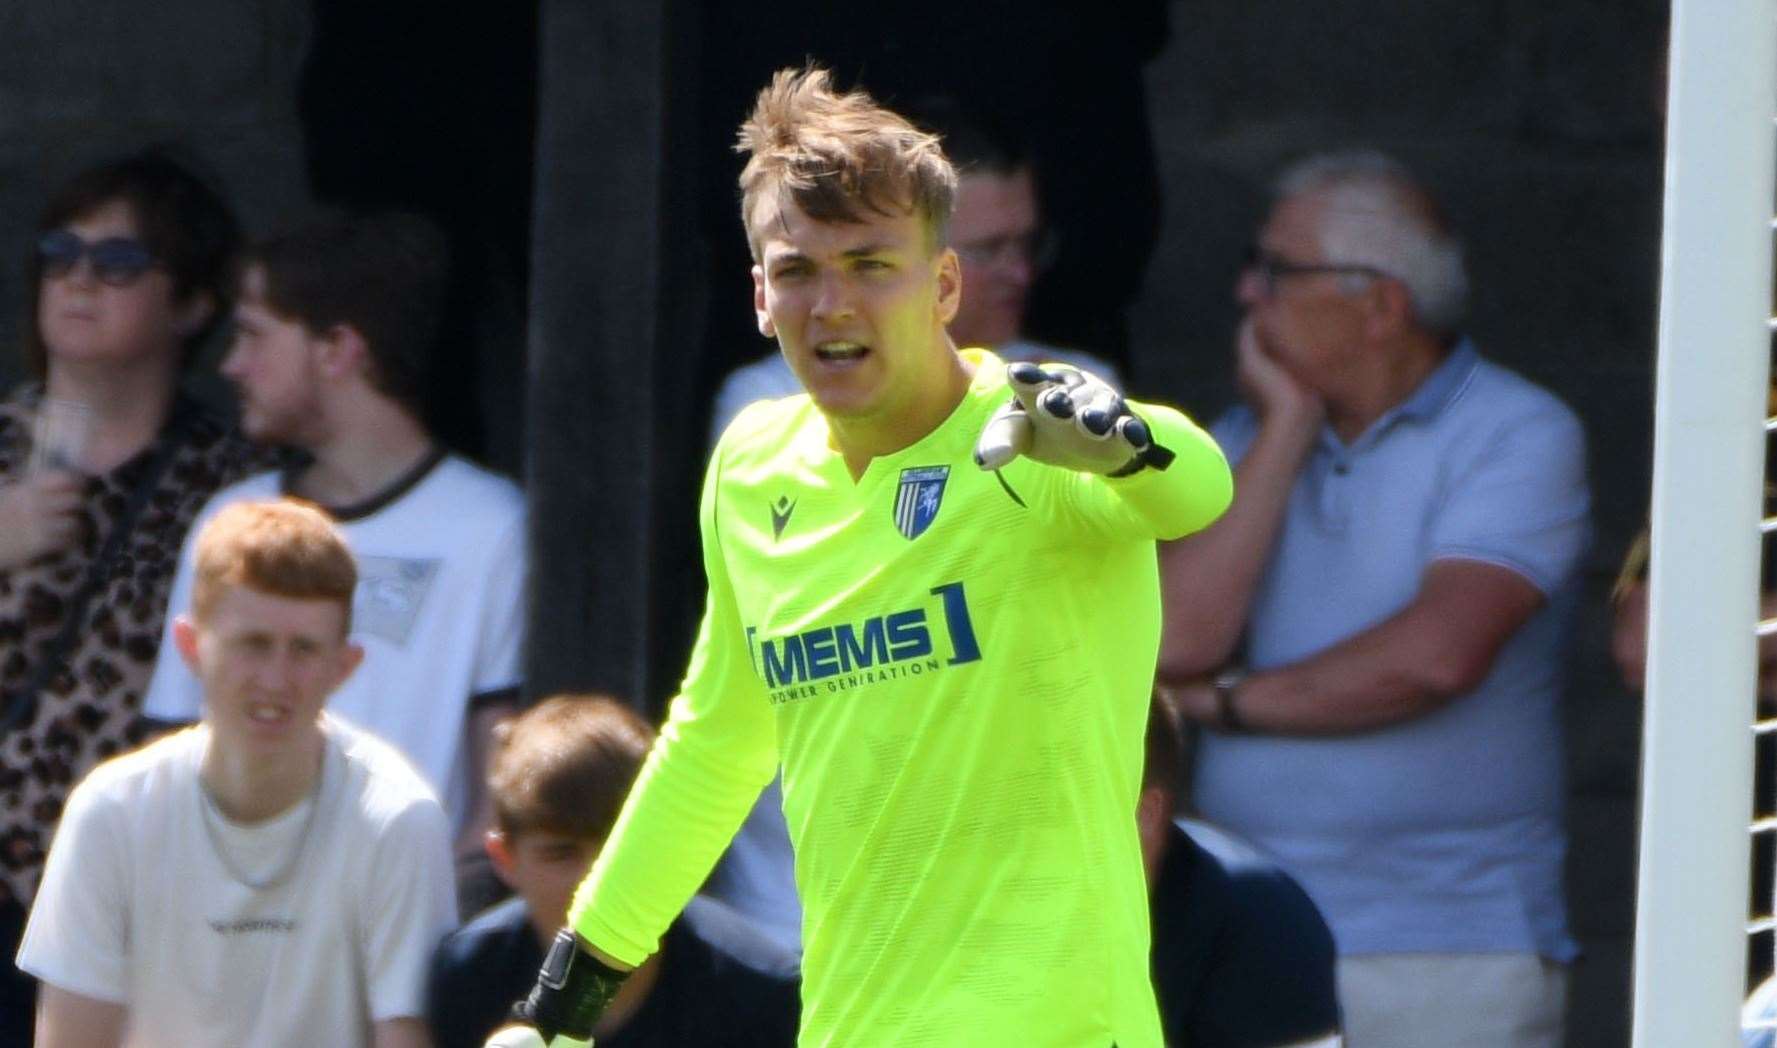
1268	386
39	515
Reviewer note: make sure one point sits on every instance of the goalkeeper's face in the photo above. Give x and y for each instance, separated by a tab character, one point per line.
859	309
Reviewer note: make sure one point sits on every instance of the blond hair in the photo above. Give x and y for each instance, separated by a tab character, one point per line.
284	548
838	155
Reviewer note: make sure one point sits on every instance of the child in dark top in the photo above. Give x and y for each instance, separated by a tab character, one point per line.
558	777
1241	956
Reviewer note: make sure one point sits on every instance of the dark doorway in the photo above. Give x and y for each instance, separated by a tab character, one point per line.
432	108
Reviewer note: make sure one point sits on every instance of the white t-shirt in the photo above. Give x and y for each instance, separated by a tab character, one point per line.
439	610
138	907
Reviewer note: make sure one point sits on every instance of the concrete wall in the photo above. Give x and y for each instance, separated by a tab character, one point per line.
1538	124
85	80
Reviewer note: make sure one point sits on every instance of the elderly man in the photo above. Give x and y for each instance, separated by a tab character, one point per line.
1399	558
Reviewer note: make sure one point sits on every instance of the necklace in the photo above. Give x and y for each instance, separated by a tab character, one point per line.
280	873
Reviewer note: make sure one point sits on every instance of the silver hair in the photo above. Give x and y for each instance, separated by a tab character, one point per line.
1378	215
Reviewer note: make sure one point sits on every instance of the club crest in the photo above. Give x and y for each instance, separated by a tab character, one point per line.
917	499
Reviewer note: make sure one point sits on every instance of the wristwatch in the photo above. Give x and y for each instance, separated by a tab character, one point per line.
1227	684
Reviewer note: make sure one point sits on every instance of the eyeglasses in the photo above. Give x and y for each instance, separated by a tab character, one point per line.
1035	249
1273	268
117	261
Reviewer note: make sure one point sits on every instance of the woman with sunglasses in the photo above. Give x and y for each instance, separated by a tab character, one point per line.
103	466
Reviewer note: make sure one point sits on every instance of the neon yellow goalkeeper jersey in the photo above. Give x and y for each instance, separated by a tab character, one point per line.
954	668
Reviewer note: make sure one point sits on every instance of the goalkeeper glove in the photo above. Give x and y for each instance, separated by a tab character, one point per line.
573	989
1065	417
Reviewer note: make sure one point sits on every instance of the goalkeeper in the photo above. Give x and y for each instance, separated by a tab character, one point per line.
933	596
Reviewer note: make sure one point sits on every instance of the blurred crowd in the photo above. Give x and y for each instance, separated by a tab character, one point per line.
1352	814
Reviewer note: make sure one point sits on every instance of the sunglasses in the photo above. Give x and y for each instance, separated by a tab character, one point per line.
1274	269
117	261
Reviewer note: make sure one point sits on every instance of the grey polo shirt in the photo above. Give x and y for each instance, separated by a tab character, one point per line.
1443	833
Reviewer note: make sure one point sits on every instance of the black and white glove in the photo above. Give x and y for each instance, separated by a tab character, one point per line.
573	989
1065	417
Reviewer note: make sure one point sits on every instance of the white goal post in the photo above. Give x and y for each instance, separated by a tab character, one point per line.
1709	408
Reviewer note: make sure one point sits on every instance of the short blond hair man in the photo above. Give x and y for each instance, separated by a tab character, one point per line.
269	876
933	601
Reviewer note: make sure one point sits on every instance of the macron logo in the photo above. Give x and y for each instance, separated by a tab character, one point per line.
780	515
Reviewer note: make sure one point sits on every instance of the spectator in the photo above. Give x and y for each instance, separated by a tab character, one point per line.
331	345
103	466
997	231
559	774
270	877
1242	959
999	237
1401	554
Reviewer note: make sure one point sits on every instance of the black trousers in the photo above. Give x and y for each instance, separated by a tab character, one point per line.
18	991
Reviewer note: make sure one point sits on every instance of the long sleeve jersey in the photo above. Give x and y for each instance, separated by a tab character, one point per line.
953	667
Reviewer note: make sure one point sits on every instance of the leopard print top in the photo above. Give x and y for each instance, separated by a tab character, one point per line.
89	709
